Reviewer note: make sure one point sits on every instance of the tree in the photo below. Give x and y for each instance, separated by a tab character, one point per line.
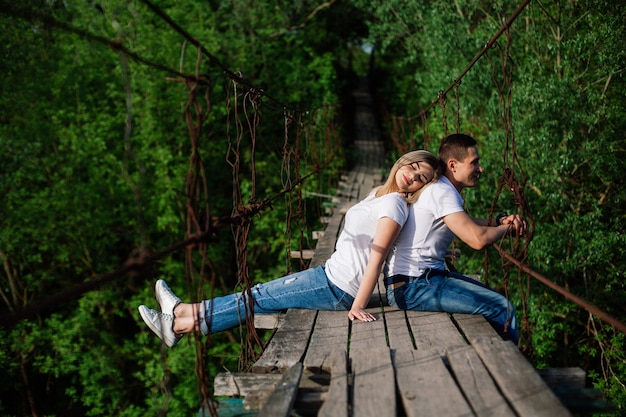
567	67
96	157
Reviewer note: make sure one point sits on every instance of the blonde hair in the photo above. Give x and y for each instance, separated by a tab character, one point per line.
419	156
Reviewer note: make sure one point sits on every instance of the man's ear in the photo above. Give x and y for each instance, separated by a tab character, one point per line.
451	164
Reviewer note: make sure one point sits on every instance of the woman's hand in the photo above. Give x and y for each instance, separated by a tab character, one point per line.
360	314
387	230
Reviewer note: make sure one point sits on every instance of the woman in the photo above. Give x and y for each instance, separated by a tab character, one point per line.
345	282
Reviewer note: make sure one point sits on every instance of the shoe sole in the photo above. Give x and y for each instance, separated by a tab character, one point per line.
146	319
157	332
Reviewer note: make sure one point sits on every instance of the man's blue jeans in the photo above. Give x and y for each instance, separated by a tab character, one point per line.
450	292
308	289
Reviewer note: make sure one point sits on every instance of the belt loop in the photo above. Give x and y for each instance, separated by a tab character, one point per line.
426	275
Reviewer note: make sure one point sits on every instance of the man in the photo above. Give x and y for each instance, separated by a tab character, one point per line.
416	275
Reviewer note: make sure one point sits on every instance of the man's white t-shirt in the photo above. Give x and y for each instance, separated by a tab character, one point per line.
346	266
425	238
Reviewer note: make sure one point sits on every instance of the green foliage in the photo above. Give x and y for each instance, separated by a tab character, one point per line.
567	112
95	157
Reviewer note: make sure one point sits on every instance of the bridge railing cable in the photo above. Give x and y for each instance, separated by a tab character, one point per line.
568	295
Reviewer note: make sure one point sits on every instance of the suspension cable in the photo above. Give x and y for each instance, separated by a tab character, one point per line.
574	298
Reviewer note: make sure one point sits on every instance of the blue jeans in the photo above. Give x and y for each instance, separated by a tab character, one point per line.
308	289
450	292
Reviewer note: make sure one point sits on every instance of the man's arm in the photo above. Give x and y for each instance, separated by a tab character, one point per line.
477	233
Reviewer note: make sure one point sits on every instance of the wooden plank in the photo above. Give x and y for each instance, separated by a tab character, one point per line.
325	219
231	384
289	343
372	181
346	206
336	403
282	399
474	326
326	245
349	178
347	193
364	335
425	385
302	254
476	383
433	331
330	333
398	329
516	378
359	180
373	382
268	321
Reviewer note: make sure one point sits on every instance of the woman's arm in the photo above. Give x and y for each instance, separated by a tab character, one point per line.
387	231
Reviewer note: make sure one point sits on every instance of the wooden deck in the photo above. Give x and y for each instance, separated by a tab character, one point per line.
403	364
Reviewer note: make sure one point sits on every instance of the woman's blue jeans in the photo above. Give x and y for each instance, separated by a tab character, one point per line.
450	292
308	289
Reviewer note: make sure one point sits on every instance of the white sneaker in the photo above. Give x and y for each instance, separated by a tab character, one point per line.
161	324
166	298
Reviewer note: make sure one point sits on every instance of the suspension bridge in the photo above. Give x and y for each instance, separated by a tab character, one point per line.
405	363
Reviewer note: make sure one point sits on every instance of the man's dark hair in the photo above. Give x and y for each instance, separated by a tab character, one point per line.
455	147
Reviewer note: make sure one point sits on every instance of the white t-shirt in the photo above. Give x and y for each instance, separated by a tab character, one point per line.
347	264
425	238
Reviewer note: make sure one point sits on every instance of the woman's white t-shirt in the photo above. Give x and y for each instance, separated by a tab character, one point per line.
347	264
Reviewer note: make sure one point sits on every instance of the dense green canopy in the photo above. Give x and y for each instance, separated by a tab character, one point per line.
99	165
